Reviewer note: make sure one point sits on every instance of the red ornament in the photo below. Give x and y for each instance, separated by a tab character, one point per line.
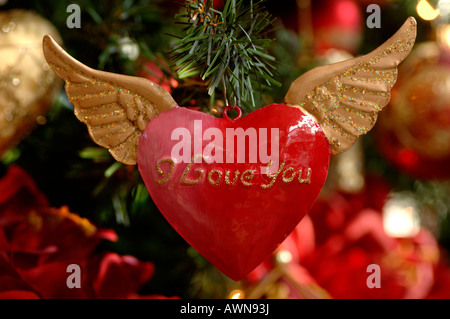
218	4
234	201
337	24
153	72
320	259
221	208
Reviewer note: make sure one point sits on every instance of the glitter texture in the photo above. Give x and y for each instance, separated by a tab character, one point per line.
199	172
218	174
116	108
247	176
166	176
289	179
227	177
346	97
306	180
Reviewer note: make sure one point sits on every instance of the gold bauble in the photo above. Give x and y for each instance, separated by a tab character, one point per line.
413	132
419	112
27	85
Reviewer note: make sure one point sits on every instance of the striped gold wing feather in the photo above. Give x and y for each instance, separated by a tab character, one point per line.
345	97
116	108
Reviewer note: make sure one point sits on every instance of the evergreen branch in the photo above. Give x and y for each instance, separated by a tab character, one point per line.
227	49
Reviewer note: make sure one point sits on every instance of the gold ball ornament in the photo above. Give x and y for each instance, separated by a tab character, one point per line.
27	84
414	132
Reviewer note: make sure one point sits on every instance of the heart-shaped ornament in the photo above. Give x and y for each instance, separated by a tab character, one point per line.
234	189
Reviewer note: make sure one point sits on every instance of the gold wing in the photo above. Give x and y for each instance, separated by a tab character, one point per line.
116	108
345	97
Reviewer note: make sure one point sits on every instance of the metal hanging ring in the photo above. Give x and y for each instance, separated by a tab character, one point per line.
229	108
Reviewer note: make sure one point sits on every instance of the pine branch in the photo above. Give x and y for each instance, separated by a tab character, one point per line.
227	49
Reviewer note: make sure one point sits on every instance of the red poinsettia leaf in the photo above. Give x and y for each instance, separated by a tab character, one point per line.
18	196
119	276
18	294
10	279
69	235
50	280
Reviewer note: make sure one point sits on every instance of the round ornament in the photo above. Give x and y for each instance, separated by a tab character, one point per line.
27	84
152	71
414	131
337	24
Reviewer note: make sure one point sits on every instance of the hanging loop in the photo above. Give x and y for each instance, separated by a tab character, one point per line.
229	108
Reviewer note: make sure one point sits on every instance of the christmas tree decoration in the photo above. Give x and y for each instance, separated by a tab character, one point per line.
27	85
232	201
128	48
346	97
339	26
407	264
414	132
329	254
153	71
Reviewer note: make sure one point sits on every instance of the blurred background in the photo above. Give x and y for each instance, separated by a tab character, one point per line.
386	201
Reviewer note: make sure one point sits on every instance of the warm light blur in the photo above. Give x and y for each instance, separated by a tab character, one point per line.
443	34
400	217
284	257
236	294
444	8
426	11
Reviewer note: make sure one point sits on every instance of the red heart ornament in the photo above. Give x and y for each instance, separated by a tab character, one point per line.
232	201
226	196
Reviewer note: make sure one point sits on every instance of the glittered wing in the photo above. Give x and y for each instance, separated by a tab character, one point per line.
345	97
116	108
